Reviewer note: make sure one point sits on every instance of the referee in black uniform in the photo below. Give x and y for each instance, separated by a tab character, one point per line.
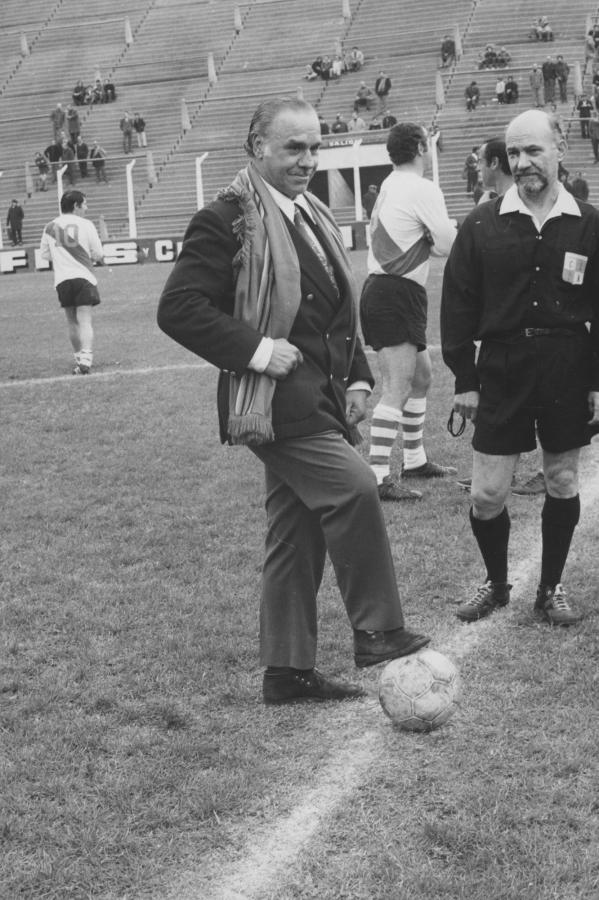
523	278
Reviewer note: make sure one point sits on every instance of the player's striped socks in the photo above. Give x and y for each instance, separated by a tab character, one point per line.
412	422
383	432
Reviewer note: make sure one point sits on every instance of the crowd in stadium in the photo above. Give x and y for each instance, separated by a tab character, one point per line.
68	146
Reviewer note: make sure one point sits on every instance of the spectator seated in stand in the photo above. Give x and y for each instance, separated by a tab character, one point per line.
309	73
356	123
375	124
355	60
339	126
546	29
488	59
98	95
78	94
326	65
317	66
536	32
447	51
337	66
541	30
364	98
109	90
503	58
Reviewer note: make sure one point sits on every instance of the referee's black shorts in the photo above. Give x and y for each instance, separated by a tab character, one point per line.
77	292
533	386
393	311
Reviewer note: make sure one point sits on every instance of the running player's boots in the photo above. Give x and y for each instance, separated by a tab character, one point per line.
552	605
534	485
391	490
429	470
489	596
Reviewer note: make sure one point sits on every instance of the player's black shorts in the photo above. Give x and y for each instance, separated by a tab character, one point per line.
77	292
393	311
534	385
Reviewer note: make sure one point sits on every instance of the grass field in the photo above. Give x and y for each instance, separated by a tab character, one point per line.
136	759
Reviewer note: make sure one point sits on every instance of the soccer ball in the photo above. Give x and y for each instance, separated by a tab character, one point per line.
419	692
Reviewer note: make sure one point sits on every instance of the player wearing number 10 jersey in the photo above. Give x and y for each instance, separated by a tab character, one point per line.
72	244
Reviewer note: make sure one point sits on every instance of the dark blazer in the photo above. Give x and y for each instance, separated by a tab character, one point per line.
196	309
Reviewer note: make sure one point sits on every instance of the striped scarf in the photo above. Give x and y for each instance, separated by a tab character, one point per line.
268	291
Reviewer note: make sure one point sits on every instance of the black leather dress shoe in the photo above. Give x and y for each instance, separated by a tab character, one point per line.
298	686
372	647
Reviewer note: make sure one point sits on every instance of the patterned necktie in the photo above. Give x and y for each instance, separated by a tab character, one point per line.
306	231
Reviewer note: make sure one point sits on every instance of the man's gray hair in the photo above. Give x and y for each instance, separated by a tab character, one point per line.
267	112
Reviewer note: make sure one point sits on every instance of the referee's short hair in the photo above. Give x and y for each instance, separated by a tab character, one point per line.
404	141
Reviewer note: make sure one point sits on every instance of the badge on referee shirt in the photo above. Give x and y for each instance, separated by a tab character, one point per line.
574	266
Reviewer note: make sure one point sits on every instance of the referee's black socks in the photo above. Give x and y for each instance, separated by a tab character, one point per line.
492	536
558	521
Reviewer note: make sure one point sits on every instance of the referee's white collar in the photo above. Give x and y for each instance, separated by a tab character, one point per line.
565	204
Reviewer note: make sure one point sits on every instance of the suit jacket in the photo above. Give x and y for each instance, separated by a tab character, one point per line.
196	309
382	86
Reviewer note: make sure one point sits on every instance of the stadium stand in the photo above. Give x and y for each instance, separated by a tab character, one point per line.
166	63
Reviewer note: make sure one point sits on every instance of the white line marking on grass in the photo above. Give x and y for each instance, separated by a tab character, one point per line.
270	850
274	848
110	373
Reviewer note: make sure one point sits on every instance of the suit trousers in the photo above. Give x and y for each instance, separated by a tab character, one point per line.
321	496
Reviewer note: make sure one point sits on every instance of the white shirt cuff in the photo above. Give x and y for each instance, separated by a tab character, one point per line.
360	386
262	356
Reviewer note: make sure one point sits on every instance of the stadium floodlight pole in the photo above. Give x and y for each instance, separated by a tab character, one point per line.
200	180
59	173
358	211
185	120
237	19
28	181
212	76
577	80
433	141
458	42
439	91
131	200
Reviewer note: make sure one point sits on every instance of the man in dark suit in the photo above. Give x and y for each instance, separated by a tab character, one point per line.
263	290
382	86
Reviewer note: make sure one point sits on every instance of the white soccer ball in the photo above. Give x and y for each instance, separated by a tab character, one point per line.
419	692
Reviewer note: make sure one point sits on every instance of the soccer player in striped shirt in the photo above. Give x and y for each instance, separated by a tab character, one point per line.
72	244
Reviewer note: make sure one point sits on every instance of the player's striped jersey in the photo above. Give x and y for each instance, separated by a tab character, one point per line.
409	223
72	244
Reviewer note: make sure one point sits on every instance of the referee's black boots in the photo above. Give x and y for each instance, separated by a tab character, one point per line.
489	596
